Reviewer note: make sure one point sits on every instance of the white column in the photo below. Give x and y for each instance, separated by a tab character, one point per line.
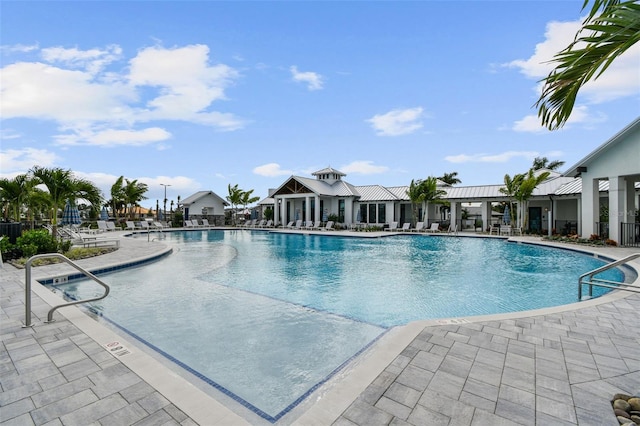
590	206
307	213
630	204
453	213
283	211
348	211
276	212
318	213
485	210
616	206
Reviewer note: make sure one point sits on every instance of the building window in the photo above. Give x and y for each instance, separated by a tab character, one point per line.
362	214
372	213
382	216
341	211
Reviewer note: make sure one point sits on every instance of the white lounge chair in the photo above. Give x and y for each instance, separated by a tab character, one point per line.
328	226
453	229
393	226
435	227
144	225
102	226
205	223
131	226
269	224
298	224
89	240
289	225
405	227
112	227
308	225
419	227
261	224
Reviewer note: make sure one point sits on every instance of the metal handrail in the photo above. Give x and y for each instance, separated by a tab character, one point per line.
605	283
27	286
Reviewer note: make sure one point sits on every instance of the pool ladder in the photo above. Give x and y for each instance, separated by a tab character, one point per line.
27	286
590	280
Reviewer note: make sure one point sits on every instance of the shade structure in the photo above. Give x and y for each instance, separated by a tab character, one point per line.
103	214
70	214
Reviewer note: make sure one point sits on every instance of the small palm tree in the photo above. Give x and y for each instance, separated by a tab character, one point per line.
133	194
234	198
510	188
450	178
248	199
422	192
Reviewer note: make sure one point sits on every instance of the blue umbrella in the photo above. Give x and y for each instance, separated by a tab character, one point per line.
359	215
506	218
70	214
324	215
103	214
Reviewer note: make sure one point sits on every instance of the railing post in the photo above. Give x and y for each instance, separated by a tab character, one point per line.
27	293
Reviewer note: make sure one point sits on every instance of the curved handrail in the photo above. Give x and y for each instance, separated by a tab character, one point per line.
27	286
605	283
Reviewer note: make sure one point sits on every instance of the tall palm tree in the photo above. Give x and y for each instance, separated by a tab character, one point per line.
117	201
14	194
450	178
610	29
544	163
510	189
133	193
422	192
528	183
247	198
62	185
234	198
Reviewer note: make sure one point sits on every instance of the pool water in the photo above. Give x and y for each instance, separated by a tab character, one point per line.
267	317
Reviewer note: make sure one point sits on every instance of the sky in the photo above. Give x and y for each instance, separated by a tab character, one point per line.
187	96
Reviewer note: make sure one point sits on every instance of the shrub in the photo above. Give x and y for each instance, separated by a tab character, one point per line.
610	242
594	237
38	240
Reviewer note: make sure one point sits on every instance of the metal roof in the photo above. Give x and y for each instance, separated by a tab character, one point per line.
327	170
375	193
198	195
575	187
339	188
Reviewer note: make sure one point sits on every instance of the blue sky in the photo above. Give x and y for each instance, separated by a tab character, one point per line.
202	94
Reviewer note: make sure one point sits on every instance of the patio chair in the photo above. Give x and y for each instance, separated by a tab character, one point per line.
144	225
419	227
435	227
102	226
289	225
261	224
131	226
405	227
495	228
90	240
112	227
205	223
269	224
308	225
393	226
328	226
453	229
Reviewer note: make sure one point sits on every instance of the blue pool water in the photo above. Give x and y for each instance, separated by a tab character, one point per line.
267	317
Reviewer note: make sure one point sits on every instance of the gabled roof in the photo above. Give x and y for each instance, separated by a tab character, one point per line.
573	170
200	194
303	185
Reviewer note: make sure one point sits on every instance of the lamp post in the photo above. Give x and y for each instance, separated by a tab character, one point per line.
164	209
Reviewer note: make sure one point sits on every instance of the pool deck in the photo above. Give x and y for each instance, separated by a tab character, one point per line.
557	366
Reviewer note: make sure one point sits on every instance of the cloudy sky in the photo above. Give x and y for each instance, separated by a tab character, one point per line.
199	95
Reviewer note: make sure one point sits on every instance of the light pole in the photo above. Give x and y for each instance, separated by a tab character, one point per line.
164	209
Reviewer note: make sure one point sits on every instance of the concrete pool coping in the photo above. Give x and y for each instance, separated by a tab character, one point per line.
324	406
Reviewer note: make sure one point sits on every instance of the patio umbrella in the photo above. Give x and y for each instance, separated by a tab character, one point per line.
324	215
103	214
506	218
359	216
70	214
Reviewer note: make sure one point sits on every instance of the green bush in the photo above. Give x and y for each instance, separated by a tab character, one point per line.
38	240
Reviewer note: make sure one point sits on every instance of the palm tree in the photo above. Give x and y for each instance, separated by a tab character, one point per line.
544	163
234	198
14	193
248	199
62	186
528	183
511	186
421	192
610	29
133	193
117	201
450	178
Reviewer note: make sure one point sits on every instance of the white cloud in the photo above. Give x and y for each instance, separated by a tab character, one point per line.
110	138
83	98
20	48
619	80
397	122
579	115
493	158
363	168
271	170
92	60
313	80
16	161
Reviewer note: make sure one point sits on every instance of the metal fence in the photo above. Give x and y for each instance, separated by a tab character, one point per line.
630	234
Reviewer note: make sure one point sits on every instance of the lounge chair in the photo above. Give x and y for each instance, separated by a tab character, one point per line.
158	225
393	226
269	224
131	226
205	223
405	227
308	225
328	226
102	226
261	224
453	229
419	227
89	240
298	224
289	225
435	227
495	228
144	225
112	227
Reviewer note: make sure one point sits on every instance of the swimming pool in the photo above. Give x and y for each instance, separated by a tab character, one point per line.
267	317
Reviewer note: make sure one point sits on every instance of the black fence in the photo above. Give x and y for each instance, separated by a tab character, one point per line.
566	227
630	234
